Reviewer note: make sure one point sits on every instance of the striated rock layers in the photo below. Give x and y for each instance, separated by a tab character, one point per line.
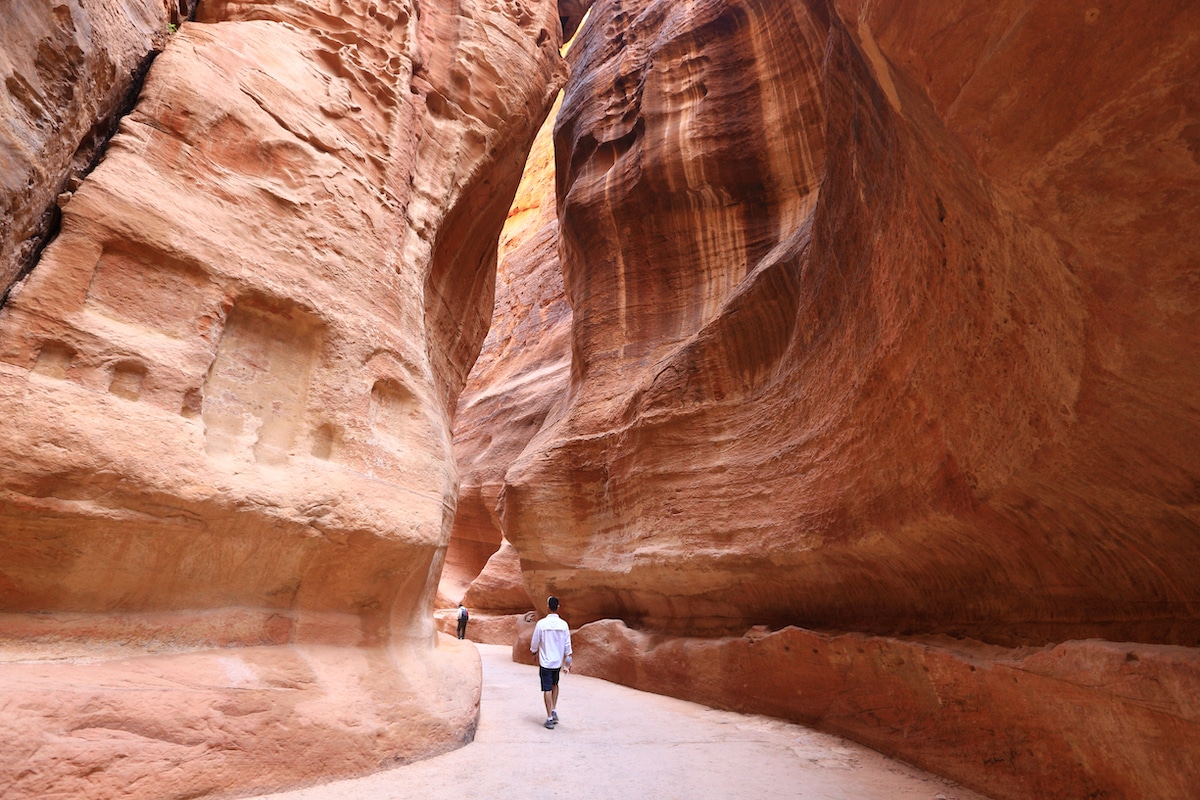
225	394
885	319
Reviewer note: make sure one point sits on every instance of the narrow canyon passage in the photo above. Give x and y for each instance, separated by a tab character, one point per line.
832	360
616	742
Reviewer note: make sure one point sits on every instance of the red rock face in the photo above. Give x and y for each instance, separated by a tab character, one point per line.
521	372
225	395
884	320
869	331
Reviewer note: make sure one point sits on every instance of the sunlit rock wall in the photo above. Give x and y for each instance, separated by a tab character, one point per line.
225	401
521	373
517	382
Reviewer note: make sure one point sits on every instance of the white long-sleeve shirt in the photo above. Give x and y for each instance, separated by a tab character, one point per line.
551	641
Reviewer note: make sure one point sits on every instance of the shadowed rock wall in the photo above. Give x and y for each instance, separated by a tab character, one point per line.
853	348
225	399
884	320
68	68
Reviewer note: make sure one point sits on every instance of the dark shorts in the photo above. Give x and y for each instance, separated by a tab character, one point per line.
549	677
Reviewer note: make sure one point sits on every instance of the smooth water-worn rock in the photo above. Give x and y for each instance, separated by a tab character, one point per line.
875	316
225	400
885	320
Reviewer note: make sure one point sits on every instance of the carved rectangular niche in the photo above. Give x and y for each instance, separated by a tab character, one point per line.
150	291
396	417
127	379
54	360
256	389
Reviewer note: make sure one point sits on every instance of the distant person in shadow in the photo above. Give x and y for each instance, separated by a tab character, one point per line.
463	616
552	643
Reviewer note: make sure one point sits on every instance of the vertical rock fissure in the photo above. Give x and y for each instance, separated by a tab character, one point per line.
94	144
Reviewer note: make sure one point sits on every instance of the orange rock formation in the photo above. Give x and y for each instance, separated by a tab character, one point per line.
885	320
522	370
225	401
854	379
872	331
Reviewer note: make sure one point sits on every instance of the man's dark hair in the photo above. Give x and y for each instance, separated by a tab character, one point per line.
552	602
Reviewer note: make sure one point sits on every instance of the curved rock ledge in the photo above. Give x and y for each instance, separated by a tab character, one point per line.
243	719
1079	719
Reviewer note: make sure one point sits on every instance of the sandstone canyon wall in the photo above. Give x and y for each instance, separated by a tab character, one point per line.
69	67
869	343
521	373
226	484
885	320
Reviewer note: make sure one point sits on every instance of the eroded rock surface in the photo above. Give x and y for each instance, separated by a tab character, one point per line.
68	67
884	320
225	400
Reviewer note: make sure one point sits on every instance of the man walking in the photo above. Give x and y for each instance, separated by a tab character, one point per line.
463	616
552	643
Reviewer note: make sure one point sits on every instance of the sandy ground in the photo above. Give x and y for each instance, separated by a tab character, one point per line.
619	743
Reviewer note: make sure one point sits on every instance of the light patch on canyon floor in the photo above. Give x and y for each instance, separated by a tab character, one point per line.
616	742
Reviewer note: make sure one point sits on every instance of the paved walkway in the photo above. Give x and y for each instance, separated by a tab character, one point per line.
616	743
